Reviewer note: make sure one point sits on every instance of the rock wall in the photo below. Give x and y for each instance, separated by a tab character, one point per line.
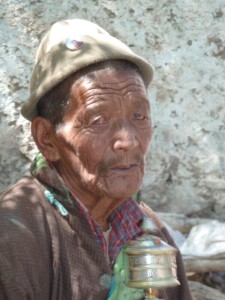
185	41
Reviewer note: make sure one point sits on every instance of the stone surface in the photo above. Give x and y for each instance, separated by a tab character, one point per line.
185	41
202	292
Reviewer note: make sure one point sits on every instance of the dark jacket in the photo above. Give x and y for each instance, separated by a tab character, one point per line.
45	256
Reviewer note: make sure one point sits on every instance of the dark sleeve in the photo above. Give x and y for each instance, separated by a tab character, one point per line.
14	282
181	292
24	267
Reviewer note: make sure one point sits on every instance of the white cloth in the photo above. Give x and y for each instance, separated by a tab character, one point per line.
205	240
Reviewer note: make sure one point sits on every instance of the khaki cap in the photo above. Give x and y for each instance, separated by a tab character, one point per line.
69	46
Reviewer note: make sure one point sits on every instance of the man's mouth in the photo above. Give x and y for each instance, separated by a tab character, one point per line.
125	168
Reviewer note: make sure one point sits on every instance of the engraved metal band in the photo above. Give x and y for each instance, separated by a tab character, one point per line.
151	274
149	259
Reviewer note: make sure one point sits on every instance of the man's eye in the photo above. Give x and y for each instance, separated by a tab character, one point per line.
98	121
138	116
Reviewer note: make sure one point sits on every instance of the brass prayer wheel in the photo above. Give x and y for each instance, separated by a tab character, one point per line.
151	262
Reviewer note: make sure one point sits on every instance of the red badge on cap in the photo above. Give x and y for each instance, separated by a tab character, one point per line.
74	43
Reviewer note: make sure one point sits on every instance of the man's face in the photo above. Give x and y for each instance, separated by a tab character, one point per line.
105	135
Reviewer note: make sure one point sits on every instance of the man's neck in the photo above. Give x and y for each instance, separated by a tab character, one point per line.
98	206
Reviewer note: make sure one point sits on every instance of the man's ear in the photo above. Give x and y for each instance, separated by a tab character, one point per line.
44	135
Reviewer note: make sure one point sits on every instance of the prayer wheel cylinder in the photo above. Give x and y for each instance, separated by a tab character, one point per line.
151	263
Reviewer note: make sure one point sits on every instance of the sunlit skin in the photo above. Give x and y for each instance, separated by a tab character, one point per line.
100	150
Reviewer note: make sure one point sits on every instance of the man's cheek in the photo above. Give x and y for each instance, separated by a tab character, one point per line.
86	159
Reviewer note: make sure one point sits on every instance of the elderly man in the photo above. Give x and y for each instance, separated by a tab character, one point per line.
63	228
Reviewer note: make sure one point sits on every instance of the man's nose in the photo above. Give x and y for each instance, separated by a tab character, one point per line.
125	137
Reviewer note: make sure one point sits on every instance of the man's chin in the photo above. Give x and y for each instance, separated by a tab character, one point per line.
119	189
124	193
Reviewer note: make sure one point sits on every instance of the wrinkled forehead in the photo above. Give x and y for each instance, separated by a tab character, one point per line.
108	84
106	75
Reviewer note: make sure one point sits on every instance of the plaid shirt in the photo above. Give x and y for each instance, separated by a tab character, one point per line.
124	223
